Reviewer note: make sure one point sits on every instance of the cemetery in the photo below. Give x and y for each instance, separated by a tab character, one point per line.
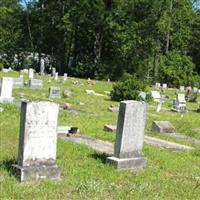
100	100
76	153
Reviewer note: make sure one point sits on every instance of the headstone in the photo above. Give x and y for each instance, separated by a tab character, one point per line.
164	86
5	70
108	80
113	109
163	127
42	67
67	93
90	91
179	105
56	76
18	82
195	90
53	71
30	73
110	128
21	76
54	92
156	96
6	90
158	106
35	83
182	88
130	136
65	77
157	86
63	130
37	141
142	95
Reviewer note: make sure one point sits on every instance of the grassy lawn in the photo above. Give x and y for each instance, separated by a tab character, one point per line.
85	175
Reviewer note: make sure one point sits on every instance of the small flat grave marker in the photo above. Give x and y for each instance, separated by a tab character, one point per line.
163	127
54	92
35	83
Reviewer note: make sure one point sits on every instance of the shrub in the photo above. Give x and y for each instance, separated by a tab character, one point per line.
129	88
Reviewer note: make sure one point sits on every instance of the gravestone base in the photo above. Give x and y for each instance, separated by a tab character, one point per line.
33	173
6	100
128	163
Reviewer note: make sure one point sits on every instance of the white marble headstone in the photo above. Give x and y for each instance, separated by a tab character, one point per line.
6	89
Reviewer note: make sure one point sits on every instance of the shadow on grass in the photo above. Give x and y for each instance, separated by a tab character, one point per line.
7	165
99	156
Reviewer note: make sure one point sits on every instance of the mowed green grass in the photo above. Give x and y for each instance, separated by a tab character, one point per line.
85	175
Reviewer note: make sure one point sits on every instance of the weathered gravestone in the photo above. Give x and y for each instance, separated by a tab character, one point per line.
142	96
164	86
18	82
179	105
6	86
156	96
129	136
195	90
65	77
54	92
37	142
42	67
182	88
157	86
158	106
56	76
35	83
30	73
67	93
163	127
53	71
110	128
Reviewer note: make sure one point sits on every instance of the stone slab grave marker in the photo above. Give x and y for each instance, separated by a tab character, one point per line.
142	95
156	96
158	106
179	105
54	92
130	136
42	66
195	90
157	86
56	76
182	88
65	77
53	71
110	128
35	83
67	93
6	86
37	141
30	73
18	83
163	127
164	86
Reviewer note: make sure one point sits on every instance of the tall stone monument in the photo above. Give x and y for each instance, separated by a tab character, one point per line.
30	73
42	67
6	86
37	141
129	136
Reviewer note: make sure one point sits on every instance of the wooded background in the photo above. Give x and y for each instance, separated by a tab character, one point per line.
156	40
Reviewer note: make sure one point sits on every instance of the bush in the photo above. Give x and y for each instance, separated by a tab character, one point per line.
129	88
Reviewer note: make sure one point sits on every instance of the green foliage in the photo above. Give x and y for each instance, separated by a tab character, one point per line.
176	69
1	66
128	88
